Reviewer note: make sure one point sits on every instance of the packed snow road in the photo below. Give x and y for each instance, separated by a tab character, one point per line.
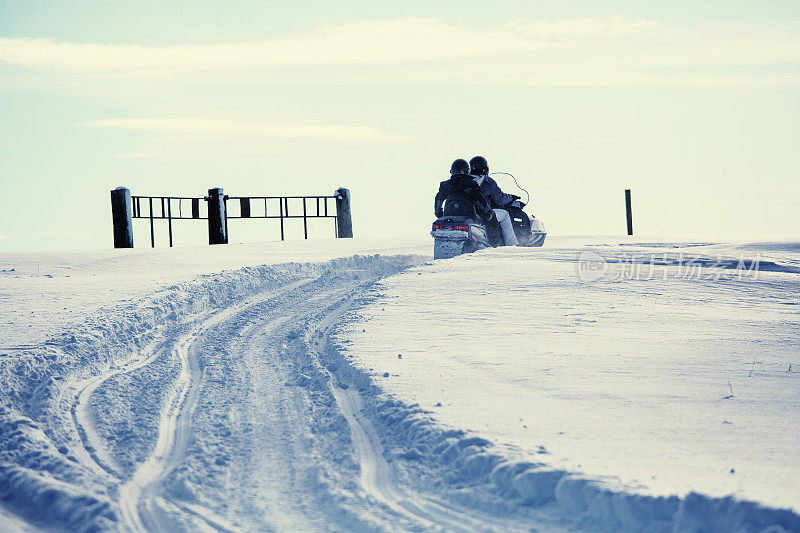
254	432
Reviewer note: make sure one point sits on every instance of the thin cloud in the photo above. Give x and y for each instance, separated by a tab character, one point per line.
368	41
229	127
569	52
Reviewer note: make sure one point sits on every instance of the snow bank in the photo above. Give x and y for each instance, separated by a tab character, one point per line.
481	474
463	460
46	500
43	477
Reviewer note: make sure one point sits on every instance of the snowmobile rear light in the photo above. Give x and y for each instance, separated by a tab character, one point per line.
451	226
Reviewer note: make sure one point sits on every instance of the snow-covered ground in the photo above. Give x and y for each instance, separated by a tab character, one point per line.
594	384
673	372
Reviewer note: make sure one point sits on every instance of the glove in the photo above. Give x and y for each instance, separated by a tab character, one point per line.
439	214
515	197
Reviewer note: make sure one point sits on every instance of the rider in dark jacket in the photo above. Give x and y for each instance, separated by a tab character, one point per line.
500	202
489	188
460	195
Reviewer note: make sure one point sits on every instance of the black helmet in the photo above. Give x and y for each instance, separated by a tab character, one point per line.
478	166
459	166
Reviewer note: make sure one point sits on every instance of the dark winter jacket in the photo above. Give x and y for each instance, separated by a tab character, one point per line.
491	191
461	196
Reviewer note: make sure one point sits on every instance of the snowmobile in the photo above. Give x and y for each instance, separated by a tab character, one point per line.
456	235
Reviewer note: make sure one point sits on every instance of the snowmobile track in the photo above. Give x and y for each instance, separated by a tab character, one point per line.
93	453
143	503
142	509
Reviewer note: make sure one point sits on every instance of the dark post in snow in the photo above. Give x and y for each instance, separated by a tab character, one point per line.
344	222
628	211
121	217
217	217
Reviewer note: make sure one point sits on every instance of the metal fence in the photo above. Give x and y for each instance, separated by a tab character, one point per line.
125	208
165	212
309	211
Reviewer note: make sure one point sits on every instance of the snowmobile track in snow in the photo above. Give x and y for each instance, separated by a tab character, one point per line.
142	509
145	506
93	453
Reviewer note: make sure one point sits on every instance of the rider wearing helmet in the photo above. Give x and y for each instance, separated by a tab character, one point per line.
498	200
460	195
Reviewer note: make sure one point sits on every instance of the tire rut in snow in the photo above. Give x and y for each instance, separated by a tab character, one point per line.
268	437
271	439
279	440
142	507
100	451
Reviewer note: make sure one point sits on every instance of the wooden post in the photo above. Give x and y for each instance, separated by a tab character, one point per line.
628	211
121	217
344	221
217	217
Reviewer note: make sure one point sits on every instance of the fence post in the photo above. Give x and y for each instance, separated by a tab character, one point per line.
628	211
344	222
217	217
121	217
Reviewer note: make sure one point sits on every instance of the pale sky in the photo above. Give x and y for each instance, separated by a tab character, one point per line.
692	105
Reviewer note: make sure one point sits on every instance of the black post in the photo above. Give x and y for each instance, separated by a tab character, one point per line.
217	218
152	226
121	217
305	220
169	218
344	221
280	203
628	211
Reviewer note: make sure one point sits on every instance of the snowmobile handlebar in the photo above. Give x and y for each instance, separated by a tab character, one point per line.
527	194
